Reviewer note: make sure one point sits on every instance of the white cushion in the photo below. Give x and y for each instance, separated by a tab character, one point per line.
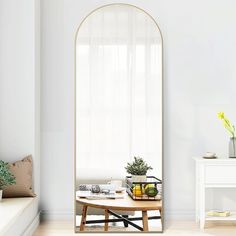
12	210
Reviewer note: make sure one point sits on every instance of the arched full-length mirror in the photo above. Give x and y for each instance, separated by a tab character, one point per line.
118	117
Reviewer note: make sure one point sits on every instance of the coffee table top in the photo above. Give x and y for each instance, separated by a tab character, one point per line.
125	203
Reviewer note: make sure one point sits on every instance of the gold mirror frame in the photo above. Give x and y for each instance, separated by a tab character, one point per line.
162	104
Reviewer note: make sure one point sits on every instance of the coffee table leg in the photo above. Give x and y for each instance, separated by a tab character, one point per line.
125	223
145	221
83	218
106	218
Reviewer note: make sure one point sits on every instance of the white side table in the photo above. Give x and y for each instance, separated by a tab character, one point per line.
213	173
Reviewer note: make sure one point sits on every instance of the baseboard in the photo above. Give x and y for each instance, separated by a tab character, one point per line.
33	226
179	215
56	215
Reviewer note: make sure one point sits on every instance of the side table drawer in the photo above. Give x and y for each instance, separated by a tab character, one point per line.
220	174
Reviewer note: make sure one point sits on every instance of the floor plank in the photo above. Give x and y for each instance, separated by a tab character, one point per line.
65	228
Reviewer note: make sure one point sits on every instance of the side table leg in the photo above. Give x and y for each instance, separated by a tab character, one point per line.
197	193
106	218
202	207
83	218
145	221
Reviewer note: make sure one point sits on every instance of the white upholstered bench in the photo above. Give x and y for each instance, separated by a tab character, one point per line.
18	216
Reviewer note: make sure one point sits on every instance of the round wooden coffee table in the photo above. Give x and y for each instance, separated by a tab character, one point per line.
123	204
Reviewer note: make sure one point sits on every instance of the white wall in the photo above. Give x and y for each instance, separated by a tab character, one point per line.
199	80
19	82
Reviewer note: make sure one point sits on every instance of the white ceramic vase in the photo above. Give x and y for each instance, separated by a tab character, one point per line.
232	148
0	195
139	178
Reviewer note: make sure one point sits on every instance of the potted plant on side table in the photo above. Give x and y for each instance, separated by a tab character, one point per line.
138	169
6	177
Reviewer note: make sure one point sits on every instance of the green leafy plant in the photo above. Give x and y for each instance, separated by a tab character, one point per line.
137	167
6	177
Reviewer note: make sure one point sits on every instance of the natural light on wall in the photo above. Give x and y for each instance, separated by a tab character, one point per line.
118	103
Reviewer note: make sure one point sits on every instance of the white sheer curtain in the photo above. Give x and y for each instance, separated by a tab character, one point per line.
118	90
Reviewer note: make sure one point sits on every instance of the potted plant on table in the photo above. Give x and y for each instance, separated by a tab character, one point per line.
138	169
6	177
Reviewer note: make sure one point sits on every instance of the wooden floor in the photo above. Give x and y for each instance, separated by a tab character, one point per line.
65	228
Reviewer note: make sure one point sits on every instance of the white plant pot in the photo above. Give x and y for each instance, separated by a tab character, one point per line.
0	195
139	178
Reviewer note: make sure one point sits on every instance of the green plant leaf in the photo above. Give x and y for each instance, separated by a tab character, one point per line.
6	177
137	167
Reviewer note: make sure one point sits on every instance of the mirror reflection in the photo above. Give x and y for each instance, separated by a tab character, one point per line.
118	121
